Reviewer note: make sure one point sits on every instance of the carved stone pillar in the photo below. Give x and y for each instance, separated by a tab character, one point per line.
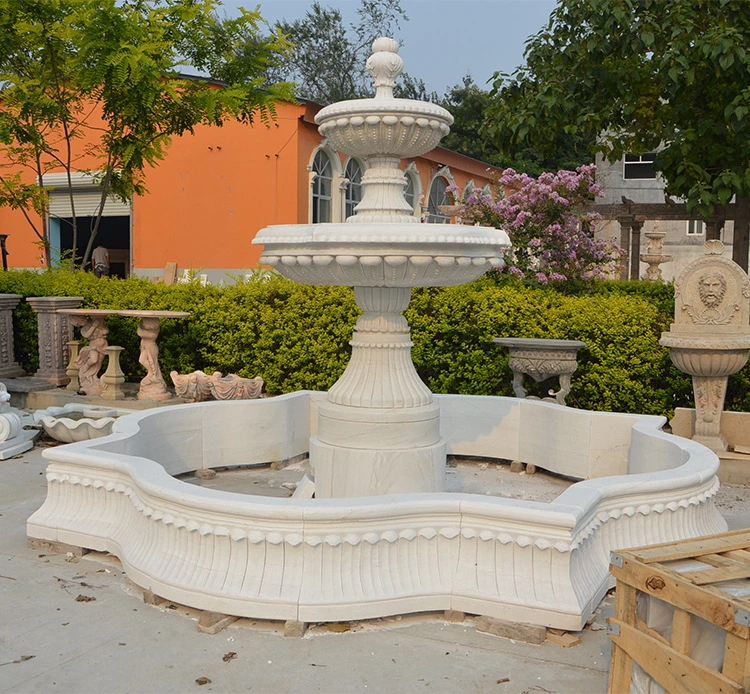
54	333
624	223
635	248
9	368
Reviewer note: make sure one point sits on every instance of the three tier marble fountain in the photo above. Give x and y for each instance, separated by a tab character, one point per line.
381	536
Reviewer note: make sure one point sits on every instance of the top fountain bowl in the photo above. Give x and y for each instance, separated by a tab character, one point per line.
386	127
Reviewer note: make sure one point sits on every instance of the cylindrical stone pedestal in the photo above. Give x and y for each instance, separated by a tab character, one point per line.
54	333
9	368
379	431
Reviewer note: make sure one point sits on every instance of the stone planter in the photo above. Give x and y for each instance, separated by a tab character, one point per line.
541	359
95	422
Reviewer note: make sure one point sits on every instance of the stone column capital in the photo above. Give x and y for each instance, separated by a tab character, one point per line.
9	301
44	304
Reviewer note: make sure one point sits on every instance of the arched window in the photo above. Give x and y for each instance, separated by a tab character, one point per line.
409	191
321	188
353	194
437	197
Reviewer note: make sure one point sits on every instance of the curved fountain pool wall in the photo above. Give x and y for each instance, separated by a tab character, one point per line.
341	559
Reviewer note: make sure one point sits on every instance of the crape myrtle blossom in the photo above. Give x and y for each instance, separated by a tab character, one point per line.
552	239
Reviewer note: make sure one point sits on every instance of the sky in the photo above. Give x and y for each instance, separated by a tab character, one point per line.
443	39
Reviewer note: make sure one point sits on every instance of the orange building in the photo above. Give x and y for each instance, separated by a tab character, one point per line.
216	188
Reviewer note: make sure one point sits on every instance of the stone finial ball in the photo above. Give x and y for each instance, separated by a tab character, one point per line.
385	45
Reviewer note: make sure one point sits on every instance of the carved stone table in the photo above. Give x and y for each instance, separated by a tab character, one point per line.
541	359
153	386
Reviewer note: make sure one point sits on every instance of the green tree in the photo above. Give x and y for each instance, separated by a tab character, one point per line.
637	76
328	59
107	73
468	104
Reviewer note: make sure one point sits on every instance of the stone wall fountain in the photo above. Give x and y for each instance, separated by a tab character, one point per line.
381	537
710	336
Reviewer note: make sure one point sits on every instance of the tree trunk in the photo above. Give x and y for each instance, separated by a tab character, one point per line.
741	244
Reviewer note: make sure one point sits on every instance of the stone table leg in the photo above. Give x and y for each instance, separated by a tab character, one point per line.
91	357
518	388
153	386
564	389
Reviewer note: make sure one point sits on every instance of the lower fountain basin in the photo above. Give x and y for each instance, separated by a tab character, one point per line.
354	558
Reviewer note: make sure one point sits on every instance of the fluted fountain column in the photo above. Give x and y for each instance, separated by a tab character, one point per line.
379	431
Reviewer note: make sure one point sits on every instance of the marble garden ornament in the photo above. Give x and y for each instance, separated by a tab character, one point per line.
198	386
14	439
381	536
710	337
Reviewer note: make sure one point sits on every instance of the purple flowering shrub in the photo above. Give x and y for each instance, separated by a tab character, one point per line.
552	239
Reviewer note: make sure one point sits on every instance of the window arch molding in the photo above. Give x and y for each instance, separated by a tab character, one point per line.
440	180
413	191
325	183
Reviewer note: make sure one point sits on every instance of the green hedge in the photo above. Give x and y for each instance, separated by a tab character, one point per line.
296	336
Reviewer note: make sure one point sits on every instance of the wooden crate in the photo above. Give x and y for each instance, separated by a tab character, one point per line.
651	571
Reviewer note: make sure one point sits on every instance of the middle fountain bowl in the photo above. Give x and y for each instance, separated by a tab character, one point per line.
379	429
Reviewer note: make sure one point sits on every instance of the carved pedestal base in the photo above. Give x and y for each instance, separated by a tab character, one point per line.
113	377
362	451
379	431
709	403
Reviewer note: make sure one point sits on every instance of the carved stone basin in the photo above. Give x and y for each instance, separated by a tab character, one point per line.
702	357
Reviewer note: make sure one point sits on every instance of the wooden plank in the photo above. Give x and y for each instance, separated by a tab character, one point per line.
677	673
656	210
738	554
681	626
715	607
642	626
688	549
563	638
528	633
620	663
720	559
737	660
720	573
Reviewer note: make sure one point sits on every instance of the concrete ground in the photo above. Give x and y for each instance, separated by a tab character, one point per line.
79	625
